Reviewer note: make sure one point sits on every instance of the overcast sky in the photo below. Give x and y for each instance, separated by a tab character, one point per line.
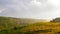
42	9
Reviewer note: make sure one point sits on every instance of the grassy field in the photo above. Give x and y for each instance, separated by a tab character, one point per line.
36	28
42	28
10	25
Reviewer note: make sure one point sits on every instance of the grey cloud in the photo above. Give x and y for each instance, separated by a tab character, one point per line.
24	8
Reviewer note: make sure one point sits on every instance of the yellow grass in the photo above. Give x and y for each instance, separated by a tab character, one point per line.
45	26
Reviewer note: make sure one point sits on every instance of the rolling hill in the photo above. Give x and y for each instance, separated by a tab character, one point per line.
11	22
10	25
20	21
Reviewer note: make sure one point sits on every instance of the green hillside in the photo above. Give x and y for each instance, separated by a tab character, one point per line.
10	22
9	25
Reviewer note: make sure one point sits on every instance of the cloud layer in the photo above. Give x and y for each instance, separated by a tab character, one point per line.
30	8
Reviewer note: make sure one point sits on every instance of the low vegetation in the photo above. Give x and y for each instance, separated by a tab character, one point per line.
10	26
42	28
37	28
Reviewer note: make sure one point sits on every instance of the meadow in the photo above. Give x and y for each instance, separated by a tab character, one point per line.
15	26
42	28
36	28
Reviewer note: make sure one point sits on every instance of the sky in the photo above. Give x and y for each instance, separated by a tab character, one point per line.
39	9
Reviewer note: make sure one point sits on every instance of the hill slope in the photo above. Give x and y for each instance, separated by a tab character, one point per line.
42	28
56	20
11	22
9	25
36	28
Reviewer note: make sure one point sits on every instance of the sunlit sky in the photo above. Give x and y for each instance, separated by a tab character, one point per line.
39	9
